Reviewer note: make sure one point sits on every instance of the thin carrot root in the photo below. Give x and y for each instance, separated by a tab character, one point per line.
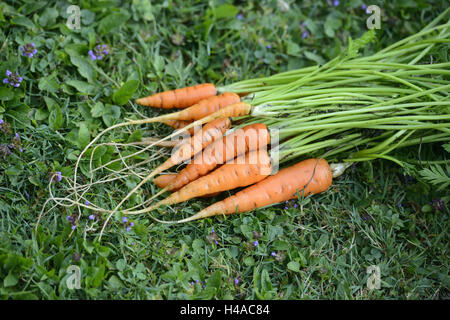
238	109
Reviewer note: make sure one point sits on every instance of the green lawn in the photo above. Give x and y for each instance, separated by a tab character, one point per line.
318	248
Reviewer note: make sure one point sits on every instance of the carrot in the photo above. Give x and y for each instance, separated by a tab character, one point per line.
200	110
208	106
249	138
306	177
209	133
164	180
179	98
178	124
242	171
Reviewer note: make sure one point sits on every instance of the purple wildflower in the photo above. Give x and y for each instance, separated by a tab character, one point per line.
91	53
124	219
236	281
13	79
336	3
273	254
363	6
216	242
86	202
4	151
29	50
128	229
131	224
74	226
26	194
239	16
305	34
268	46
1	121
68	218
58	176
255	243
212	231
91	217
100	52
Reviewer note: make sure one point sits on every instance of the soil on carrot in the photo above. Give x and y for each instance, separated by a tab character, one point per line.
64	82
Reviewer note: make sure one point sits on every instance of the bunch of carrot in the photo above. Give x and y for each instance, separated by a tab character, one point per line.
348	110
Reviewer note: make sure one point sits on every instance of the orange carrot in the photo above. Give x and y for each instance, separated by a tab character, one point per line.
306	177
242	171
179	98
209	133
178	124
249	138
208	106
164	180
202	109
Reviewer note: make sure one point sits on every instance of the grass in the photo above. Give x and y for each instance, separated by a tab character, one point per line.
317	248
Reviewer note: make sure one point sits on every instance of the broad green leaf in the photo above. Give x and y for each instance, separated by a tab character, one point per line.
75	49
55	119
112	22
121	264
10	280
48	17
51	104
40	115
135	136
111	115
292	48
144	9
125	92
331	25
225	11
82	86
6	93
115	282
87	17
49	84
23	21
84	136
312	56
98	109
84	67
294	266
